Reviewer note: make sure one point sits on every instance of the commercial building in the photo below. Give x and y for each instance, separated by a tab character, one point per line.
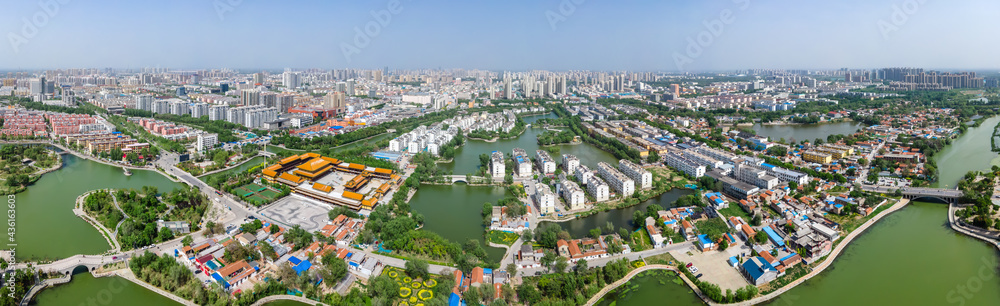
817	157
617	180
756	176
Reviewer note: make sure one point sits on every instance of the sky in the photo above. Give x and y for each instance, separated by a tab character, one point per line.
664	35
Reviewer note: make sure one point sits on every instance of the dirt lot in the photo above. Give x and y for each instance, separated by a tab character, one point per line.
715	266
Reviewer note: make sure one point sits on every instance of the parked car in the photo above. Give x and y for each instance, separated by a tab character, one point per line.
689	264
699	275
694	269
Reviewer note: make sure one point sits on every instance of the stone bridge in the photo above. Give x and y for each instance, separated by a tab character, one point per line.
66	266
463	178
914	193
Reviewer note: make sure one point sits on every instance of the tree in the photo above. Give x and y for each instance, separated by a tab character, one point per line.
638	218
624	233
472	296
416	268
488	293
760	237
512	269
527	235
581	266
187	240
561	264
595	233
548	258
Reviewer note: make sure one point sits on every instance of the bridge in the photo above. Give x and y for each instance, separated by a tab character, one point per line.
914	193
463	178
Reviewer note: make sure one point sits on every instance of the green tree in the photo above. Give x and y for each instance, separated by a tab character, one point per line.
187	240
416	268
760	237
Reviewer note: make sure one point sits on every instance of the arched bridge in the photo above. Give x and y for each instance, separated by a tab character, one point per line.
463	178
945	195
67	265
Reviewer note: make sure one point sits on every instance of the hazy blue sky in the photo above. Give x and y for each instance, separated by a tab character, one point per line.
511	34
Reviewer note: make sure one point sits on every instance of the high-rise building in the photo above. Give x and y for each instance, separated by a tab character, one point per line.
144	102
218	112
285	102
250	97
335	100
206	142
350	87
37	86
290	79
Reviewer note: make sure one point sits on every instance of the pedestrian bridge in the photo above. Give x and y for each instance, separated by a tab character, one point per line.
463	179
915	193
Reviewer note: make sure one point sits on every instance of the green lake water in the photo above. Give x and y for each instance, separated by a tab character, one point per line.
46	225
656	287
581	227
970	152
84	289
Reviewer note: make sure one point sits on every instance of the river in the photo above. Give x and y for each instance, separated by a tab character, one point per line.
46	225
800	132
911	257
970	152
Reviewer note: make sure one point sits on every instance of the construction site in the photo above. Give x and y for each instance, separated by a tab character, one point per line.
333	181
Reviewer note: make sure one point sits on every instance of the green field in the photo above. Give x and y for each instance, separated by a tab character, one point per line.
270	194
255	187
256	199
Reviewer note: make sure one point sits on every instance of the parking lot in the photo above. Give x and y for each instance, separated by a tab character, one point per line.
715	266
295	209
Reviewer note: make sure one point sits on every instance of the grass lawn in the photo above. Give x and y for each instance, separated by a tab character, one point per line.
411	291
270	194
662	259
640	240
501	237
734	210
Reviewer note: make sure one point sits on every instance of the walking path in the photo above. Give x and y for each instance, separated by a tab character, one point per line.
972	232
230	168
108	234
127	274
273	298
52	282
600	294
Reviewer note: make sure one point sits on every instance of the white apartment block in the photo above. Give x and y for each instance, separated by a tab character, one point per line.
546	164
643	178
684	164
598	189
584	174
424	139
570	163
544	199
497	169
218	112
522	164
703	160
717	154
206	142
756	176
617	180
573	195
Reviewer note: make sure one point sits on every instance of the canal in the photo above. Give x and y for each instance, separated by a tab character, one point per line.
970	152
800	132
85	289
620	218
46	225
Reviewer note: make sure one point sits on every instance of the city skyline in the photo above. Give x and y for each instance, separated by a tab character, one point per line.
517	36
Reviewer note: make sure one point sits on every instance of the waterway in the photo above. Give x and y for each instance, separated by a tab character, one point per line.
651	288
800	132
46	225
454	212
467	157
911	257
970	152
620	218
85	289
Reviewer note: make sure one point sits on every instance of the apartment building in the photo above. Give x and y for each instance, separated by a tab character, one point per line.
570	162
497	169
206	142
598	189
817	157
522	164
756	176
643	179
584	174
682	163
546	164
573	195
617	180
545	199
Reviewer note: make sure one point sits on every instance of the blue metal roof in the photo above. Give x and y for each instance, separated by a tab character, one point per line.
774	236
787	257
703	238
756	266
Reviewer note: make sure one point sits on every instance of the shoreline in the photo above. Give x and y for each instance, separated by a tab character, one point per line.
632	274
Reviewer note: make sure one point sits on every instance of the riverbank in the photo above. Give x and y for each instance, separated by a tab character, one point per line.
971	232
826	263
604	291
108	234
